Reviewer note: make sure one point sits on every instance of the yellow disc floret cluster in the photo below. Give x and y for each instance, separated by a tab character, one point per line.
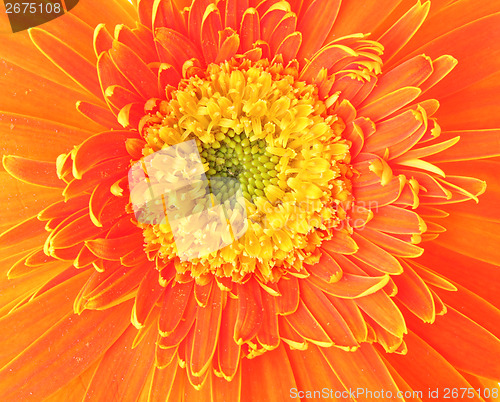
259	124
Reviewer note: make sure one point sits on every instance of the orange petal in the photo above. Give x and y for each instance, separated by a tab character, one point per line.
352	316
268	335
228	351
327	316
112	13
308	327
74	232
228	48
250	28
270	19
123	366
98	148
430	150
356	132
93	332
312	371
387	104
148	294
174	304
393	131
441	66
145	9
283	29
163	379
392	244
360	16
206	333
109	74
340	243
324	58
99	199
290	46
479	235
473	307
32	171
102	39
267	383
315	24
472	145
36	138
20	330
85	258
466	44
327	269
384	312
98	114
68	60
139	42
402	31
360	369
210	27
424	356
426	180
392	219
27	229
110	168
290	336
195	19
415	295
473	107
377	195
166	14
182	329
234	13
175	48
250	312
38	98
351	286
115	289
411	73
202	292
462	336
134	70
288	302
113	249
223	390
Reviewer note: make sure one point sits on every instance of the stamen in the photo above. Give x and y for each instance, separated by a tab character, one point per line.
259	125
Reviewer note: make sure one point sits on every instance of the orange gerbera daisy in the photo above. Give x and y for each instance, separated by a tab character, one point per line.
363	268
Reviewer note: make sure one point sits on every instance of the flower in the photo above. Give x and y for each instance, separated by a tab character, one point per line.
363	264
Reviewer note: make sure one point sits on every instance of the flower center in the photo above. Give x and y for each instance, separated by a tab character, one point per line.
237	156
269	134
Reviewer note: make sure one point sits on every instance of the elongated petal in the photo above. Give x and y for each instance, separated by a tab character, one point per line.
228	351
31	171
403	30
94	332
361	369
315	24
382	310
206	333
126	368
376	257
68	60
261	375
463	334
250	313
351	286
